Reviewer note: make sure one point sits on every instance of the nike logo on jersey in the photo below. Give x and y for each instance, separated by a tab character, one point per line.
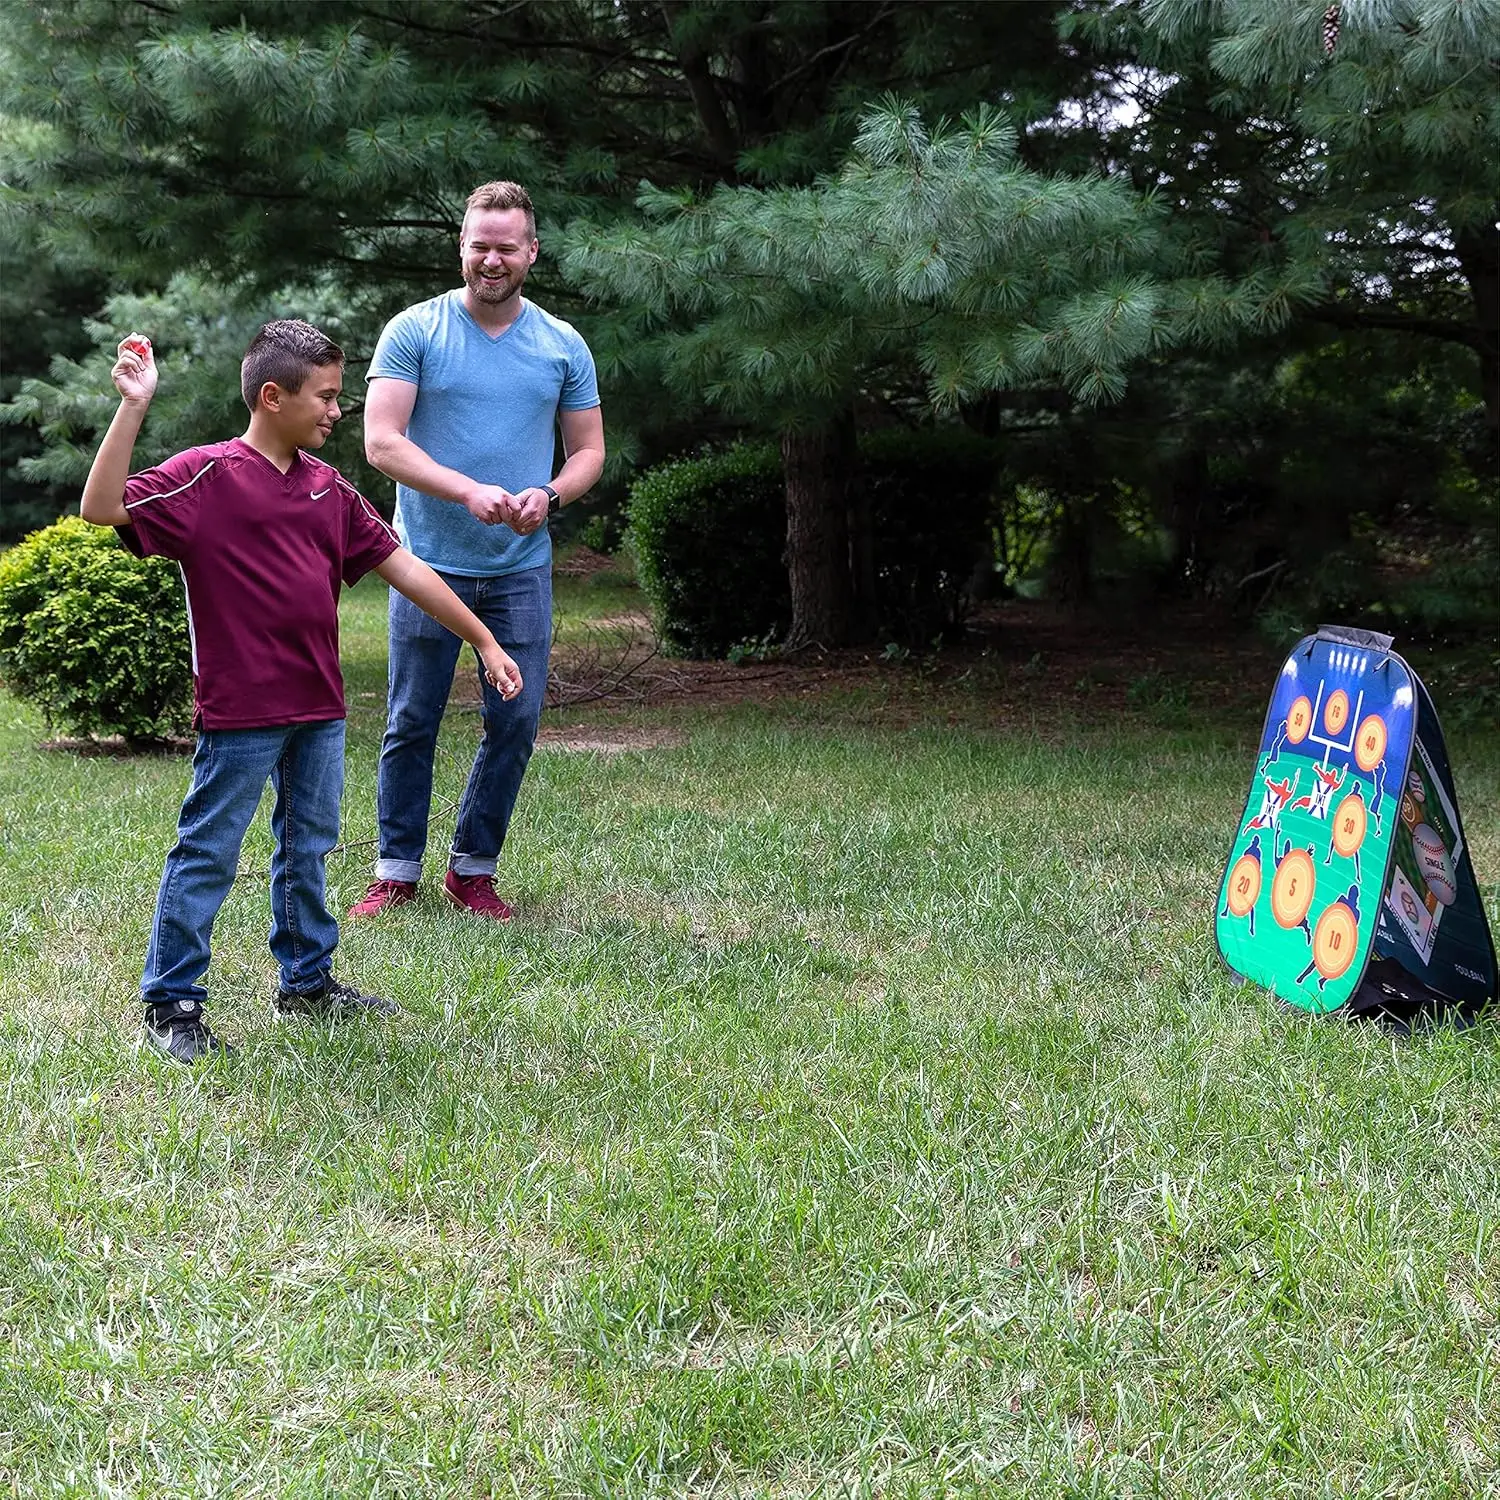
318	494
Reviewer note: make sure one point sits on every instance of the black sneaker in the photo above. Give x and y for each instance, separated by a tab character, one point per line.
179	1031
334	1002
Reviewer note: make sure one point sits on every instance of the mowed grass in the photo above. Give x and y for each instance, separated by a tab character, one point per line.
848	1111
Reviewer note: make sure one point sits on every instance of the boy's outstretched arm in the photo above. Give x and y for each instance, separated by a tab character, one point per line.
134	375
409	575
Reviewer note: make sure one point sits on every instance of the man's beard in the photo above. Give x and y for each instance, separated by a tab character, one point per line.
494	292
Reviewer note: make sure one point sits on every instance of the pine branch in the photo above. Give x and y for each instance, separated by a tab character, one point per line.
880	15
1343	316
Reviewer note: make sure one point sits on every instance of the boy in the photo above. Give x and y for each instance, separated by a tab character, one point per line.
265	534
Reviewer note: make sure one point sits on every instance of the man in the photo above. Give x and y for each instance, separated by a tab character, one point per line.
466	393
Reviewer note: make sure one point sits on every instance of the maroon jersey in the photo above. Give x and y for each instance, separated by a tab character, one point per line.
263	555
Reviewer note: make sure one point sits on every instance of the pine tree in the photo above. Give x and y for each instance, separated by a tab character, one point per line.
1357	143
260	145
935	249
255	137
199	335
264	147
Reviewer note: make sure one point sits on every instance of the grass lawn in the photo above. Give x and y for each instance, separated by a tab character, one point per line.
856	1106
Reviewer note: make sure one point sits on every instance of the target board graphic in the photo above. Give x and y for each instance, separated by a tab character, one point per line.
1350	846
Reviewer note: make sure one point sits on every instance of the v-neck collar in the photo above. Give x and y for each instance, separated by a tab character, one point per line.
285	476
493	338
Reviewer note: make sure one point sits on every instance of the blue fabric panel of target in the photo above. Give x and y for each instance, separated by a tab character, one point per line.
1300	904
1432	921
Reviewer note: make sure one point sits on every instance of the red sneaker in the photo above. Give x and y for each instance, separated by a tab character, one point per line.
476	893
382	895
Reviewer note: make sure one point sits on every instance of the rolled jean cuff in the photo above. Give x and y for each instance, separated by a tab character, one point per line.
472	864
407	870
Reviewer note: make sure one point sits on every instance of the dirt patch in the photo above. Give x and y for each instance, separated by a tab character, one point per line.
636	625
1018	664
115	745
615	741
579	561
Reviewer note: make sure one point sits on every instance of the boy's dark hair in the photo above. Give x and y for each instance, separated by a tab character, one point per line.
500	195
283	352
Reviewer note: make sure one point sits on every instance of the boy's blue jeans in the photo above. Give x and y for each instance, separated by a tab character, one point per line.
305	765
517	607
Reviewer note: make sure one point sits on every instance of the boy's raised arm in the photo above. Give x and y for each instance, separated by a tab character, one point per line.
134	375
411	576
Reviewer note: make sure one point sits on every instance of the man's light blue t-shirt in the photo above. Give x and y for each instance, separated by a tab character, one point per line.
488	408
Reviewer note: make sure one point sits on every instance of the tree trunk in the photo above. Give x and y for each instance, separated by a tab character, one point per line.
694	64
861	550
1070	568
1479	258
819	465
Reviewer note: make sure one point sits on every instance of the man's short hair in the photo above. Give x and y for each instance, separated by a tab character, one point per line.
500	195
284	351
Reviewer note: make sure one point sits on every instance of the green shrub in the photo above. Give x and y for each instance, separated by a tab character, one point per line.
95	638
709	538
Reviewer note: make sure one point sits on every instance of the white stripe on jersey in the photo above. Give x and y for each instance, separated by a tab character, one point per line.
375	515
167	494
192	634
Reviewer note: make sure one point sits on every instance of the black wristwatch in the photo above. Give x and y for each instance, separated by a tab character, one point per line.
554	500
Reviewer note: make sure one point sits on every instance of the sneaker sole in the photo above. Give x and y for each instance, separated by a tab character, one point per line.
334	1017
465	907
286	1017
369	916
225	1050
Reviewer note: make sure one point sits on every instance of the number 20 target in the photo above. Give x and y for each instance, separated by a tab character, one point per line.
1244	885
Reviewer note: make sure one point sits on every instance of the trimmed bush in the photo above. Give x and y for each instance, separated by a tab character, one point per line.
95	638
709	538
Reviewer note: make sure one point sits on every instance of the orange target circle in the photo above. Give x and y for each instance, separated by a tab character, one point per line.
1370	743
1292	889
1336	712
1334	940
1244	885
1298	721
1350	824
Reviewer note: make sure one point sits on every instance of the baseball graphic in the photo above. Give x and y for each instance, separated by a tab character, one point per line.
1434	863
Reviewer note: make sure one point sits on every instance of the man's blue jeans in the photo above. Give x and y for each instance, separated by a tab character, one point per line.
305	765
517	607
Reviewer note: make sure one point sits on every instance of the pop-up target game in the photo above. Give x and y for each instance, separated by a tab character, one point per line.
1349	884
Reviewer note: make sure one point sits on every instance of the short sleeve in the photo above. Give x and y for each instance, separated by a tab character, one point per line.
398	353
164	503
368	541
580	389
